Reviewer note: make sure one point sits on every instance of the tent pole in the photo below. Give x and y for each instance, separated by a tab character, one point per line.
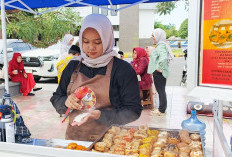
4	45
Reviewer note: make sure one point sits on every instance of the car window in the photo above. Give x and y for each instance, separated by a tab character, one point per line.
13	46
22	47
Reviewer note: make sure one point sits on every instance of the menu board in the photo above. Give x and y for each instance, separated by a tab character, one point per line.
215	68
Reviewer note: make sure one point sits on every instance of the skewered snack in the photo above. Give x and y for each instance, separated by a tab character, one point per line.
114	130
195	137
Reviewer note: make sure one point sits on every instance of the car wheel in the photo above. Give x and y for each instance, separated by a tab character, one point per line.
37	78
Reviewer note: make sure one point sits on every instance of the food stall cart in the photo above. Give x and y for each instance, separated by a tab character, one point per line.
208	64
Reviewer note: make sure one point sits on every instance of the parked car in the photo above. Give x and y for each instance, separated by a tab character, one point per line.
14	45
42	62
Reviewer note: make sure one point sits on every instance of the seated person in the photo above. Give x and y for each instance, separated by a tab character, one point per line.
17	73
140	66
73	51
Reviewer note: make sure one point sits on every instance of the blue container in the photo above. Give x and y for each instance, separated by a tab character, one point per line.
194	124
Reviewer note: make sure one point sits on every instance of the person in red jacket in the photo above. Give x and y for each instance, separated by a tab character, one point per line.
17	74
140	66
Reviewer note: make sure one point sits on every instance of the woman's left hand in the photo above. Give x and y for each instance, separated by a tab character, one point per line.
25	75
92	115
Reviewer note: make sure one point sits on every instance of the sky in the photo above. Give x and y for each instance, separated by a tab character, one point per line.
177	16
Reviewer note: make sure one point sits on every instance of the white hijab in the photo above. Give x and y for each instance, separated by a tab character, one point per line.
64	48
160	36
104	27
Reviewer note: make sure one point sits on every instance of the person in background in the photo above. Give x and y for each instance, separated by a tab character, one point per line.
121	54
73	51
140	66
66	45
112	80
17	73
158	66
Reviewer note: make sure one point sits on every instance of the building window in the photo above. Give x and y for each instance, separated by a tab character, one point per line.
114	13
95	10
104	11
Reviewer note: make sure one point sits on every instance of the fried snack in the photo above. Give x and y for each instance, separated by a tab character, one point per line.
183	154
71	146
163	134
119	150
197	153
114	130
173	140
143	155
139	135
184	132
108	142
109	136
185	149
145	149
195	137
80	147
170	154
156	152
152	132
150	140
195	145
131	150
159	144
100	146
163	139
180	145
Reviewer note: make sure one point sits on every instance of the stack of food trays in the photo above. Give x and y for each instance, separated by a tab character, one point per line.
149	142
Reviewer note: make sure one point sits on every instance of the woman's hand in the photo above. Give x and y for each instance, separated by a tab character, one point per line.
73	102
25	75
92	115
15	72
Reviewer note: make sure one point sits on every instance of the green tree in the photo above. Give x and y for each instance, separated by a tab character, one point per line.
164	8
183	31
42	30
169	29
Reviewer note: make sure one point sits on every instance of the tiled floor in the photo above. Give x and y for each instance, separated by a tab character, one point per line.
43	121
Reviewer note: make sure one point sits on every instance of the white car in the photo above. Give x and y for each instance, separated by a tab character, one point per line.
42	62
14	45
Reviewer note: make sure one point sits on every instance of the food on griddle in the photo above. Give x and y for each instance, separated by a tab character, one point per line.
144	142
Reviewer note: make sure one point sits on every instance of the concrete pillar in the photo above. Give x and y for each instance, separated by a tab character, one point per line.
129	28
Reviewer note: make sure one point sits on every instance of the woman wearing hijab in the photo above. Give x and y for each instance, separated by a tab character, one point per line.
140	66
112	80
66	45
17	74
158	66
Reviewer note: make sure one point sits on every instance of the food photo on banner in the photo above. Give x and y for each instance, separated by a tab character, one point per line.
216	45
